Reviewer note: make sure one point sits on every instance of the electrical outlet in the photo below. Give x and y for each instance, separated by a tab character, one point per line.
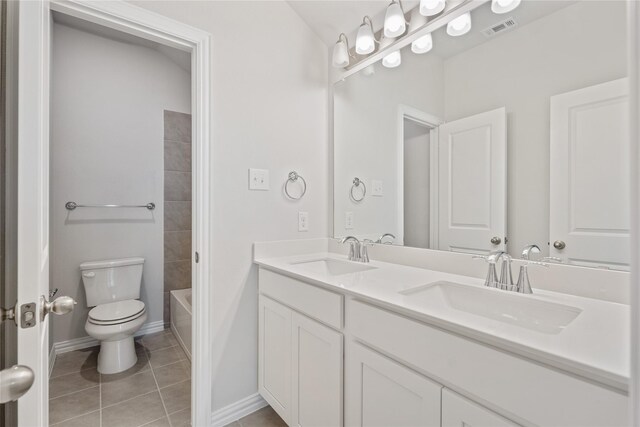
376	188
303	221
348	220
258	179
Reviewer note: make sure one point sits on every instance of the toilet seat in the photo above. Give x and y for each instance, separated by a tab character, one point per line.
115	313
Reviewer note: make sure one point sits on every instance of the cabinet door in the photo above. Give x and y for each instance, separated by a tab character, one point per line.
460	412
317	374
381	392
274	356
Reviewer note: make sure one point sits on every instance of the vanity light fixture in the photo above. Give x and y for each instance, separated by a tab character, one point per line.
394	22
432	7
460	25
504	6
340	56
424	43
392	59
365	40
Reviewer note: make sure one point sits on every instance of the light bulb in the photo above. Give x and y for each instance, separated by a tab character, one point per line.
394	23
431	7
365	41
392	60
340	57
460	25
422	45
504	6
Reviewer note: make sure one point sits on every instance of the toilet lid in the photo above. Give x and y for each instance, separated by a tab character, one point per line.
116	311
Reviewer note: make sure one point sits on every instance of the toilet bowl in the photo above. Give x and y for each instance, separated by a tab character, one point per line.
113	290
114	325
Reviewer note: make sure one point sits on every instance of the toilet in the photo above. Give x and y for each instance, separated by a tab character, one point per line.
113	290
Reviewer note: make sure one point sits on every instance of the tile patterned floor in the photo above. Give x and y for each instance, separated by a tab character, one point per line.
155	392
265	417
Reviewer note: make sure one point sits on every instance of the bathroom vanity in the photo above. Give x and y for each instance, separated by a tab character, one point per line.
348	343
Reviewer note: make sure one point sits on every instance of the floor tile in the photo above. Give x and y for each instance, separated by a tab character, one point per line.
75	361
181	418
158	341
265	417
234	424
162	422
171	374
127	388
164	357
141	365
177	396
89	420
71	383
135	412
74	404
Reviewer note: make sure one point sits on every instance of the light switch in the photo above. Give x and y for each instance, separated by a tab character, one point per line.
376	187
348	220
303	221
258	179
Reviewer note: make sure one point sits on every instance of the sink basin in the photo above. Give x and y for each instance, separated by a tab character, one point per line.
520	310
333	267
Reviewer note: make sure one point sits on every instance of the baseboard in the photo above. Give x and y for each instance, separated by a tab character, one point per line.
52	358
86	342
237	410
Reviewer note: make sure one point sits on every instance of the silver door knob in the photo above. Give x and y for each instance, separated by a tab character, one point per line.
559	244
59	306
495	240
14	382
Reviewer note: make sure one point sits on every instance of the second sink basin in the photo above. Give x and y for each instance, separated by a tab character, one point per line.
542	316
333	267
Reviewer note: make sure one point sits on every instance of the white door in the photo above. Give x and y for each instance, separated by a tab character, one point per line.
460	412
589	212
274	356
317	374
472	184
381	392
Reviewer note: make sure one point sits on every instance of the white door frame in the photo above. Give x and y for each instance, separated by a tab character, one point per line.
432	122
633	21
140	22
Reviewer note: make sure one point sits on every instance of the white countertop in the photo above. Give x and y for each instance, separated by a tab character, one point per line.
595	345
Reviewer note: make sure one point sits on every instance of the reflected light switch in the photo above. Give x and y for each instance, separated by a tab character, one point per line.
376	187
348	220
258	179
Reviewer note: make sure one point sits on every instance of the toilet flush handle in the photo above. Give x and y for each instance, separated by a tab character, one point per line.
89	275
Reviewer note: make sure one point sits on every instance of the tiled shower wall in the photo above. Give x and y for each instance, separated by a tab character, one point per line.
177	204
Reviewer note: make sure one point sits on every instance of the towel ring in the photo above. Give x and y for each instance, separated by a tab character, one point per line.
356	183
293	177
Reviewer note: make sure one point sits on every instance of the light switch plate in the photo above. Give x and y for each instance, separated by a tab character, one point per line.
348	220
258	179
303	221
376	188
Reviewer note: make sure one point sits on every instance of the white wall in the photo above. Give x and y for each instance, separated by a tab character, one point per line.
269	91
567	50
417	158
107	136
366	138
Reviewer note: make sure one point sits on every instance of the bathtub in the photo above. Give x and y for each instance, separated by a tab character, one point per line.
180	305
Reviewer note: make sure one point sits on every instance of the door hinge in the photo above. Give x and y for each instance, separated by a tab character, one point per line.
197	257
28	315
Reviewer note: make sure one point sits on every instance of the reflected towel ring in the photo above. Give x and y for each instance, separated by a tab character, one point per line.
356	183
293	177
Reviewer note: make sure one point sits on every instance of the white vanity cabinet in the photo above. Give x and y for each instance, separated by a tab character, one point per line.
300	359
381	392
460	412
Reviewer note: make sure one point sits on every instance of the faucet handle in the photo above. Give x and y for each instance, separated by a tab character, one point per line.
364	252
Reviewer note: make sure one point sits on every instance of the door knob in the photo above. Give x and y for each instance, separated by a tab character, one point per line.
14	382
59	306
559	244
495	240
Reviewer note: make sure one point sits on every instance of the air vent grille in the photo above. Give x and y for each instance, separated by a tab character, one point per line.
500	27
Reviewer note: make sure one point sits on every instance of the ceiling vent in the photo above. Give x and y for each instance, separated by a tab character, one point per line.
500	27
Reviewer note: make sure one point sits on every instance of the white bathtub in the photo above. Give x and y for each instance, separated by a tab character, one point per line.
180	305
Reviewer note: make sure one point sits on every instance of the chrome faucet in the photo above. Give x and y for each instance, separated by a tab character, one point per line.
357	249
523	285
381	238
528	250
492	276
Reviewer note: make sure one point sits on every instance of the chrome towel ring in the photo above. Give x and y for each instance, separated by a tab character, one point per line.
293	177
357	183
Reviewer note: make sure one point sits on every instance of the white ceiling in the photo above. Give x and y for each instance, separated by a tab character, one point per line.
329	18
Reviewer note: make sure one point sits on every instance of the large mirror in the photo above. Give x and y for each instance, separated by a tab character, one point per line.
513	134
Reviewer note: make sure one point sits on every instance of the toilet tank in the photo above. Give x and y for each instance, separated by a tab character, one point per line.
112	280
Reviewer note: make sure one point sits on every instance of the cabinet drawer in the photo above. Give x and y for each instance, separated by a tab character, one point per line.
313	301
458	411
525	391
